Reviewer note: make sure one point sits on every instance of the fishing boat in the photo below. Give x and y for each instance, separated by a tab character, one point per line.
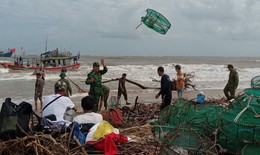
50	61
8	53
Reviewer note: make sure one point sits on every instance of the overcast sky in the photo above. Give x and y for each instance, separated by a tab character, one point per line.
107	27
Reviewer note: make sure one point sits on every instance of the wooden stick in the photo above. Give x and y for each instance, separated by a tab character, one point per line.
130	81
82	149
80	89
139	85
110	80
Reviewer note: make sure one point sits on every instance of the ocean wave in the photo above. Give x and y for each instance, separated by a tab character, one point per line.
253	60
204	73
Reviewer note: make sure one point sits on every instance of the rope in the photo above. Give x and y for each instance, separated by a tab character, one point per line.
79	88
256	114
241	112
138	25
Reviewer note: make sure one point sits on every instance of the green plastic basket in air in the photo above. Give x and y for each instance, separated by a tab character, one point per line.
255	82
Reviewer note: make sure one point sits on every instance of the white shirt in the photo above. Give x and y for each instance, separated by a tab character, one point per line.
58	107
91	117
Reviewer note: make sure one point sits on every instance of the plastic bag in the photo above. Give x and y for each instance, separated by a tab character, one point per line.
69	114
103	129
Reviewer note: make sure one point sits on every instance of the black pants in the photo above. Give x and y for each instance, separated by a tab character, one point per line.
166	100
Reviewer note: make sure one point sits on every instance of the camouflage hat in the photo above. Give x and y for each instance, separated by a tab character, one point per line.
96	64
60	85
63	75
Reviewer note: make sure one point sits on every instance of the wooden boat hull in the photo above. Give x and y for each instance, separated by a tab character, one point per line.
6	54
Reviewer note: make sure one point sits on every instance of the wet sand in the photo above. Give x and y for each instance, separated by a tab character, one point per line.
148	96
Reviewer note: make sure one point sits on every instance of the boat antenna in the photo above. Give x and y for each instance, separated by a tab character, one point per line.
46	43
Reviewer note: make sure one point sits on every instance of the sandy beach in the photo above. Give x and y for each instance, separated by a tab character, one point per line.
148	96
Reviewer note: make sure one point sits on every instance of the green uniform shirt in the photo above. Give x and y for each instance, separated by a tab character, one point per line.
233	79
95	87
68	90
105	91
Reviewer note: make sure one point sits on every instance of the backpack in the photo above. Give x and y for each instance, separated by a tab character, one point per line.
14	119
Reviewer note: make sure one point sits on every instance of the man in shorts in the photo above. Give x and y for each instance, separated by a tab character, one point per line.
38	90
122	89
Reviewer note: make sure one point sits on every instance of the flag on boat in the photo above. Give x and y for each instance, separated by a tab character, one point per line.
12	50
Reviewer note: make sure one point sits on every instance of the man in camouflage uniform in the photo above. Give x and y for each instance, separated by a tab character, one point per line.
232	84
94	79
62	78
104	97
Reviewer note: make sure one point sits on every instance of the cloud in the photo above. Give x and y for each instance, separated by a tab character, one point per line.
87	25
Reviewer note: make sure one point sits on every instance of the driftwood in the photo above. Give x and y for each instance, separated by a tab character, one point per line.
143	136
110	80
187	80
139	85
132	82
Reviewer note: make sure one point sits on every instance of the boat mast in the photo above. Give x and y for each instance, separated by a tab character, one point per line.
46	43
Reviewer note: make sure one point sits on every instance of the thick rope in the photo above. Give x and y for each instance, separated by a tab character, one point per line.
247	106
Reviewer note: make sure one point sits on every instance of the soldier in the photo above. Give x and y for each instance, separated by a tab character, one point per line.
62	78
104	97
232	84
94	80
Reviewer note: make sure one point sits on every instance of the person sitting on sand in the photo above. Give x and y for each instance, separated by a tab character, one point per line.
87	104
56	104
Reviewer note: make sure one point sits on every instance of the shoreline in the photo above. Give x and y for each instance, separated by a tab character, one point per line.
148	96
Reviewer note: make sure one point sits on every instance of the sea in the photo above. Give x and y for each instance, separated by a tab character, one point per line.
209	73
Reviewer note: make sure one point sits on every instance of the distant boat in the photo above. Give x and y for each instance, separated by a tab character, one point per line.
7	53
51	60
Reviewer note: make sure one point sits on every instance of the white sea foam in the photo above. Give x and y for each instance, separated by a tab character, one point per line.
3	70
206	75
